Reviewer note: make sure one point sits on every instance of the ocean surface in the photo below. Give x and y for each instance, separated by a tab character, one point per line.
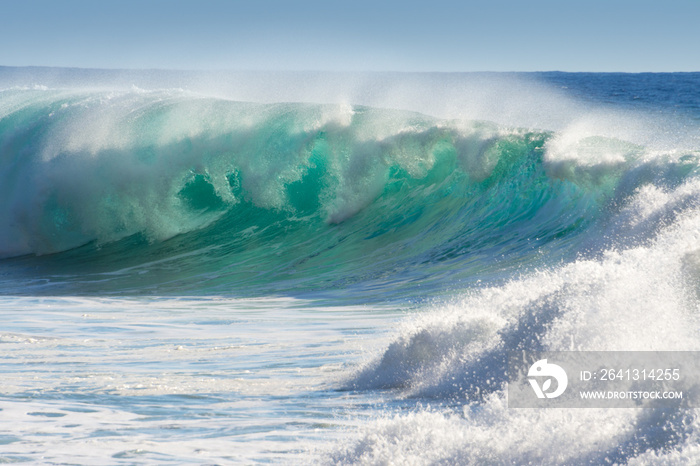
298	268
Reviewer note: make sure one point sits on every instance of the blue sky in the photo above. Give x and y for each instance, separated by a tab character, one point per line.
359	35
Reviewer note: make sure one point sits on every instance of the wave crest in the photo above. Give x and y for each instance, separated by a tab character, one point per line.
329	195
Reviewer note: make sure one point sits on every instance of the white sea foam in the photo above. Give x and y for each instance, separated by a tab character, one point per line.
639	295
173	380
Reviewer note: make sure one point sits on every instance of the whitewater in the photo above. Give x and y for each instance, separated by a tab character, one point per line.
329	268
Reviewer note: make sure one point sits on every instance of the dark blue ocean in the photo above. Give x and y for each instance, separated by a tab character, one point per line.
303	267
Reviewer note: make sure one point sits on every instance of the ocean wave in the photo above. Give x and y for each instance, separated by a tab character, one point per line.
206	193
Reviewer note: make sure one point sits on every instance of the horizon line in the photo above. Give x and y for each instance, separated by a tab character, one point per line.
327	71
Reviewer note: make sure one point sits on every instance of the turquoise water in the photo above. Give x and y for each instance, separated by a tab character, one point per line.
268	271
202	196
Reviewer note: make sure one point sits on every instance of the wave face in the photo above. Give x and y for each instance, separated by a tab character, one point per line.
162	191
